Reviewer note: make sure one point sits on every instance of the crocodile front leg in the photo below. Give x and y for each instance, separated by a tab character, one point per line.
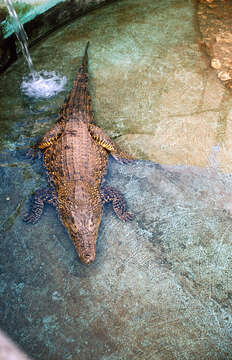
104	140
108	194
40	197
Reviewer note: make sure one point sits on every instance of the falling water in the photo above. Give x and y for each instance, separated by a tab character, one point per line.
20	33
42	84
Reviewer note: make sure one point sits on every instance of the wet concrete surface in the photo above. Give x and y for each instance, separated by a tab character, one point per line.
160	287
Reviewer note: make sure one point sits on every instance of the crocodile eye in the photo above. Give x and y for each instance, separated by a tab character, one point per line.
73	228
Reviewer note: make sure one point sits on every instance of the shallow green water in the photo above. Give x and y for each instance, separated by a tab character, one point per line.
161	286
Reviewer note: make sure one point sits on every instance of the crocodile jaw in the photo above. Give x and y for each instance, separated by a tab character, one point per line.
82	225
81	218
85	245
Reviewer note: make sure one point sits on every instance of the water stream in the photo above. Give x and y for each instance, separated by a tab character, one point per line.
20	33
41	84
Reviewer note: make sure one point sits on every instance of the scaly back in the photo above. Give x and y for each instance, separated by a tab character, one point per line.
78	102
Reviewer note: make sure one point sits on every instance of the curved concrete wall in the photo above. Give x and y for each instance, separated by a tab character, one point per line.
42	25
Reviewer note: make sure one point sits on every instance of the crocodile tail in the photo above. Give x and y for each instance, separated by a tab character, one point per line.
85	57
78	102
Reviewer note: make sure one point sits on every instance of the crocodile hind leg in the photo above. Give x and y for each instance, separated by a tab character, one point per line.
108	194
102	139
45	141
52	135
41	196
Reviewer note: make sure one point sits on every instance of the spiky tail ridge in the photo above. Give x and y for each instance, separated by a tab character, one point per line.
85	57
78	100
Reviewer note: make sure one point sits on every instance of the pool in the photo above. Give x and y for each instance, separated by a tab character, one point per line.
160	287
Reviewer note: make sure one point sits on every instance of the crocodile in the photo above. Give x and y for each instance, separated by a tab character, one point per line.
75	154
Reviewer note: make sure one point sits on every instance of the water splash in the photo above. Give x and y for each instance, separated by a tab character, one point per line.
42	84
20	33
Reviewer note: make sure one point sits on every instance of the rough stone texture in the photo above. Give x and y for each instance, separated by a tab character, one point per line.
215	21
161	286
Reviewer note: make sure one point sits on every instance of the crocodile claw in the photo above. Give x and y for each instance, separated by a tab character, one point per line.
127	216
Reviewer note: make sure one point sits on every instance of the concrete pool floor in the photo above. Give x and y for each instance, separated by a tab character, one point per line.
161	285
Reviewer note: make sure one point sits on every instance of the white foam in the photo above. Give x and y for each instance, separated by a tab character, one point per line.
42	84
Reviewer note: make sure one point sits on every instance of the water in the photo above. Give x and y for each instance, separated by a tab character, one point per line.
20	33
161	286
41	84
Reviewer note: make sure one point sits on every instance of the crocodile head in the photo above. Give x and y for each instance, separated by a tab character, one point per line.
82	226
